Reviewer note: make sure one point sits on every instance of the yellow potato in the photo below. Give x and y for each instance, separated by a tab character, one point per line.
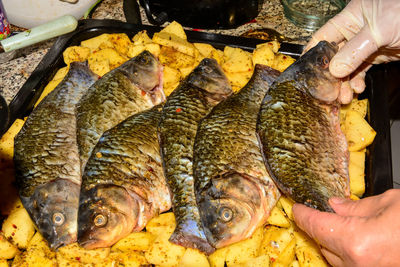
217	259
294	264
218	55
238	79
7	250
287	205
60	74
357	173
99	66
173	41
278	218
171	78
121	42
244	250
186	71
307	251
359	133
287	256
275	241
3	263
164	223
176	29
7	143
75	53
141	38
360	106
155	49
95	42
127	258
162	252
134	50
175	59
114	59
134	241
236	60
205	49
75	252
263	54
64	262
193	258
18	228
260	261
282	62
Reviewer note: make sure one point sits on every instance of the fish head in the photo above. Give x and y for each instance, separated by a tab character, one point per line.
53	208
312	71
106	214
210	77
146	72
228	208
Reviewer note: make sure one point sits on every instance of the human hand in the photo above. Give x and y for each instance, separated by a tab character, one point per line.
367	32
365	232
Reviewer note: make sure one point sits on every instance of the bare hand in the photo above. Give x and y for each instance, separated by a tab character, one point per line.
365	232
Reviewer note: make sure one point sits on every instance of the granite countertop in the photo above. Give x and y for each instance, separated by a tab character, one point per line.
14	73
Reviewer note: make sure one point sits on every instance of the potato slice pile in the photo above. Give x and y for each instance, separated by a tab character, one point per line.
279	243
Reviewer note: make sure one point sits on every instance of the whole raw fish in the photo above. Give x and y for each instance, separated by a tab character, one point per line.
123	186
132	87
205	87
234	191
304	148
46	159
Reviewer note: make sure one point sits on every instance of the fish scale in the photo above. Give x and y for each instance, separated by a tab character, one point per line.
304	148
192	100
46	158
126	160
229	171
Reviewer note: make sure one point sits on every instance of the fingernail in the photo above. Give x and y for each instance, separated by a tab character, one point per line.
337	200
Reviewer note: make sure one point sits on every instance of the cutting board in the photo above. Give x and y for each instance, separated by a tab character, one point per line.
30	13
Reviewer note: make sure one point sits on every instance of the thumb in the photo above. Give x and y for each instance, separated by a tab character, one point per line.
353	53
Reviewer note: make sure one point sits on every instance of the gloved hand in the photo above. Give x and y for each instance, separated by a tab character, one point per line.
364	233
367	32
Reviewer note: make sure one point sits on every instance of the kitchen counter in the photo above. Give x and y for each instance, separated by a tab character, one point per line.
14	73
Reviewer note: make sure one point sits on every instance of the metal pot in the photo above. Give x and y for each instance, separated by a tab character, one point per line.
203	14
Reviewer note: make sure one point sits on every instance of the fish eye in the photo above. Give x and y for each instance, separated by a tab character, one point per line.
100	220
226	214
324	61
58	218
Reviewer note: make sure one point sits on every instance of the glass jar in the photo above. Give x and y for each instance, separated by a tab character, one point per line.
311	14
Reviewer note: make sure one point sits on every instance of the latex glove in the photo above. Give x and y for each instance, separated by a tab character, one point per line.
365	232
367	32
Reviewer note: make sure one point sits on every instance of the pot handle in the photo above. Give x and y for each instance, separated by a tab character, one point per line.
132	12
159	19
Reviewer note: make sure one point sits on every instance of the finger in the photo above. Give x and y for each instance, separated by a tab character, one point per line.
353	54
332	258
357	82
362	208
346	93
328	229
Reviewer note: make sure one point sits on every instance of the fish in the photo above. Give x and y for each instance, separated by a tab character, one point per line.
46	159
298	127
194	97
134	86
123	186
234	191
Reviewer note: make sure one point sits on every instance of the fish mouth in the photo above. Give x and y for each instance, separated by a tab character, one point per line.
90	243
56	246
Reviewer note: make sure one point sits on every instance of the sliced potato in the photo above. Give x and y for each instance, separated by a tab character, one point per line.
307	251
217	259
173	41
127	258
175	59
244	250
193	258
205	49
287	256
121	42
260	261
18	228
7	250
236	60
75	53
164	223
73	252
282	62
3	263
134	50
238	79
359	133
162	252
94	43
287	205
134	241
278	218
176	29
263	54
7	143
171	79
275	241
141	38
155	49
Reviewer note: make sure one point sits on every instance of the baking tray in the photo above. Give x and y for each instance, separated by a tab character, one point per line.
378	162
